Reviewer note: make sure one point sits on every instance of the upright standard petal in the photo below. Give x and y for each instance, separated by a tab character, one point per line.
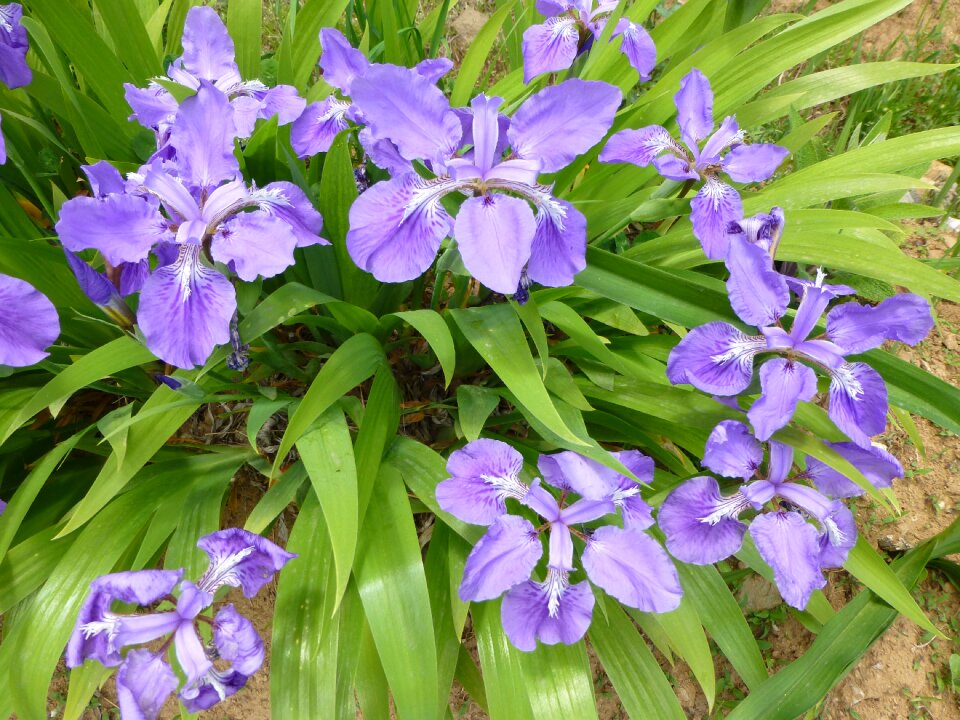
877	465
486	131
758	294
257	243
813	302
14	71
104	178
694	103
726	135
572	471
783	384
192	657
153	106
552	612
396	227
202	136
857	328
559	249
676	167
208	51
283	101
858	402
563	121
400	105
185	310
495	234
505	556
753	163
638	46
633	568
763	230
91	636
122	227
639	147
715	358
700	524
433	68
780	464
28	325
144	682
313	132
790	546
242	559
484	473
711	212
552	8
733	451
384	154
340	62
549	46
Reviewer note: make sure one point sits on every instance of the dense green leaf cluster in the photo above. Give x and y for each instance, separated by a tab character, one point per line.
357	389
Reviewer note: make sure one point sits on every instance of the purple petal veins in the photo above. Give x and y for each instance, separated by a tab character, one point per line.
240	558
505	556
700	524
484	473
552	612
715	358
549	46
790	545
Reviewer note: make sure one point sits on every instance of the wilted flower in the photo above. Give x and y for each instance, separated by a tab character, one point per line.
209	56
624	561
717	204
510	221
186	306
718	358
702	526
238	558
571	27
29	326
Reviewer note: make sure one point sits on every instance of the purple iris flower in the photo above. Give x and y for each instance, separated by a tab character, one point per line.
238	558
185	210
510	223
718	358
702	526
624	561
717	204
341	63
570	29
14	71
109	288
208	55
29	326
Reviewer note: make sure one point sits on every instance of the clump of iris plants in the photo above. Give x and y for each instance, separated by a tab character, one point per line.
145	679
466	231
622	560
